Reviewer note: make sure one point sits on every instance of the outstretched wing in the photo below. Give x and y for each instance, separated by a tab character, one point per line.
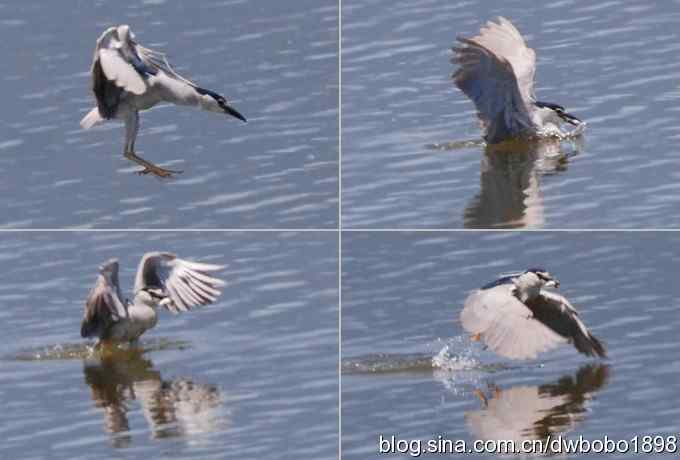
506	325
104	305
497	73
557	313
121	64
158	61
184	284
116	68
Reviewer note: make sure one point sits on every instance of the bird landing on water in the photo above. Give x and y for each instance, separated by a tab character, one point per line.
128	78
162	280
517	316
496	71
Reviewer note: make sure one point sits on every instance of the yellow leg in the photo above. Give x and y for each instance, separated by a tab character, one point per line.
150	167
105	347
480	394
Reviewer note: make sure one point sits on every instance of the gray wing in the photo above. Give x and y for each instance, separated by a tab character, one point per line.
497	73
156	61
121	64
557	313
104	305
113	70
184	284
506	325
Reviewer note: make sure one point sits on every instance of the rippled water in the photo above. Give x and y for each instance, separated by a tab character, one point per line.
252	376
402	294
277	63
614	64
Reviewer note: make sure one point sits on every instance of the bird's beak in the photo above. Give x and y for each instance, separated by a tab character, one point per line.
234	113
569	118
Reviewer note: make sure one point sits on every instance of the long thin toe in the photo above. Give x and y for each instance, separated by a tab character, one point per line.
159	172
150	168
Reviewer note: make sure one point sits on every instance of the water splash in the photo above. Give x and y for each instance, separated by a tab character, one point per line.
383	363
447	361
457	145
88	350
456	355
458	368
54	352
554	133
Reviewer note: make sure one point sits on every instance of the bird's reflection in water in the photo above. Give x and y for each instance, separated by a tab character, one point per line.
510	194
534	412
172	408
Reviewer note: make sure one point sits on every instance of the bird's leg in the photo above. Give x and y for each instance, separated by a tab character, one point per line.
105	347
480	394
150	167
476	337
131	129
496	390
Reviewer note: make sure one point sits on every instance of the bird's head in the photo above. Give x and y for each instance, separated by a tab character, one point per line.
545	279
559	112
529	283
213	102
124	33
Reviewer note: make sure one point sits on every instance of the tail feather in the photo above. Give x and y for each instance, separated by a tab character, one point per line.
92	118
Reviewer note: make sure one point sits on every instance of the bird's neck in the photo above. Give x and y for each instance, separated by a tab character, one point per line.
143	315
145	300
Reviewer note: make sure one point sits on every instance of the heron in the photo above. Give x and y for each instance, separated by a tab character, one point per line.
128	78
162	279
518	316
496	71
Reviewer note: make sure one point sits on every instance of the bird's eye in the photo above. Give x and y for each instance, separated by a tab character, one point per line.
153	294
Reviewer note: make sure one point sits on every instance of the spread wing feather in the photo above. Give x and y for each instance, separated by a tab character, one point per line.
184	284
120	64
104	305
496	71
506	325
557	313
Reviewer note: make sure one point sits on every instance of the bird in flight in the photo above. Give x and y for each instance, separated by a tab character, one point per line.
128	78
162	280
496	71
517	317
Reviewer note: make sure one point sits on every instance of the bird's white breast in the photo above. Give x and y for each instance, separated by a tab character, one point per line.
140	319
